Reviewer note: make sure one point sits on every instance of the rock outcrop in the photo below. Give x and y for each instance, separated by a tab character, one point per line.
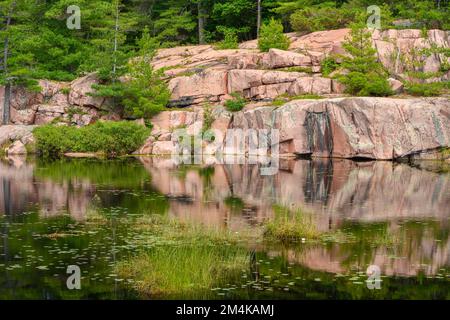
15	138
201	74
56	102
372	128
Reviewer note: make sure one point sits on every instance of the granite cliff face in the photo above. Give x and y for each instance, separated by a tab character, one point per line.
372	128
200	73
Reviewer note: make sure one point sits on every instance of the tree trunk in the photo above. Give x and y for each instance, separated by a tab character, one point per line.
201	23
116	31
258	23
7	104
7	100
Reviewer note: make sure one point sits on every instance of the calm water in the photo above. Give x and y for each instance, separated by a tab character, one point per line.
48	216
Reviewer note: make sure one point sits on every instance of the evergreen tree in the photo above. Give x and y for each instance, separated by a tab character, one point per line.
272	36
365	74
16	67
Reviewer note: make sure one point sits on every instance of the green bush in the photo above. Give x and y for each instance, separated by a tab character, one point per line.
328	65
235	104
317	19
144	93
425	89
362	84
366	75
110	138
272	36
230	40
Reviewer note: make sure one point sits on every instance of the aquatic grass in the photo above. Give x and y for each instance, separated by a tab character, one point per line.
289	225
185	260
186	270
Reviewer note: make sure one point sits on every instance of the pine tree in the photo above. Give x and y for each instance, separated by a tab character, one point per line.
16	66
365	74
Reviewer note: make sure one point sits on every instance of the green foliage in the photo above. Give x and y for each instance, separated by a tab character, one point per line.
230	40
425	13
41	45
425	89
366	76
211	252
321	18
235	104
296	69
174	22
110	138
272	36
285	98
361	84
328	65
18	68
208	118
143	94
290	225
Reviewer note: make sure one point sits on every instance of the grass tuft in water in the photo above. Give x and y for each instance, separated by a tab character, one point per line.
186	261
290	225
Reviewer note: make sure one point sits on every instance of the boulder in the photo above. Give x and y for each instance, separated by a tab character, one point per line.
329	42
270	91
337	87
147	148
80	90
249	60
396	86
208	85
17	148
51	88
239	80
164	148
311	85
276	58
48	113
22	98
14	132
165	137
25	116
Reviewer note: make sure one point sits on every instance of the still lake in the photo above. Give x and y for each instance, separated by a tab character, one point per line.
49	213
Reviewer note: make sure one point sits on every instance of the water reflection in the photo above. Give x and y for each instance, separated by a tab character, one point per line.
411	206
334	191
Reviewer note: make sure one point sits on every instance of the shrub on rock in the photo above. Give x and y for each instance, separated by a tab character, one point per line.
272	36
366	75
235	104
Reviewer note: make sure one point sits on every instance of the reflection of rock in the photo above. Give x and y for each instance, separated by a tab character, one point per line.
333	190
16	148
415	255
19	191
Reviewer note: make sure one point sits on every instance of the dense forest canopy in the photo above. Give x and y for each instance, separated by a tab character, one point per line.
38	44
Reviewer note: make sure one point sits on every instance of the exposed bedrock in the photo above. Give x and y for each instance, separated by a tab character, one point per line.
201	73
372	128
